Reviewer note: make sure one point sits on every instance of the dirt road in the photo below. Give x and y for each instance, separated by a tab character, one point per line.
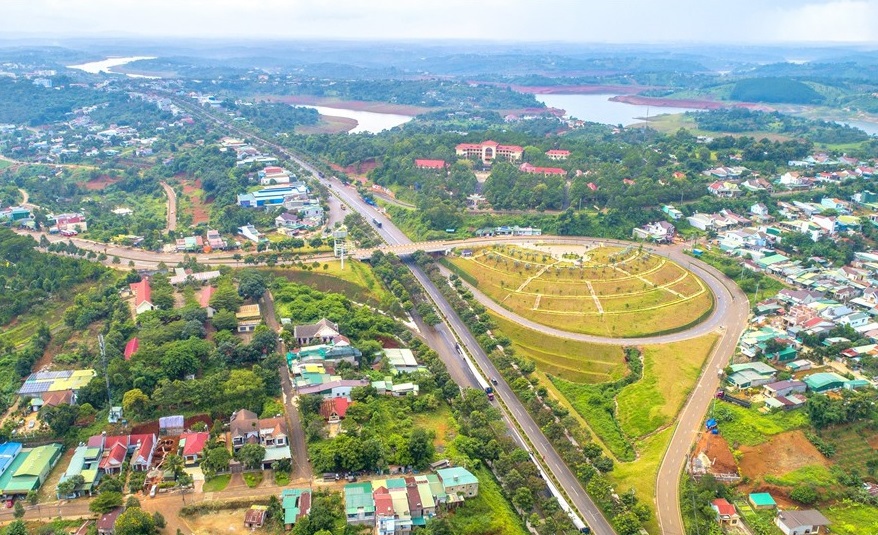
172	206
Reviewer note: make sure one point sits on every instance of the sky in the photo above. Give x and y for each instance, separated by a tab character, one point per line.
587	21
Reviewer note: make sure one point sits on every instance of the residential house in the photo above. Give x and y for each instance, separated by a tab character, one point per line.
131	348
723	189
803	522
751	374
322	332
193	446
459	481
328	354
672	212
270	433
215	240
757	185
334	388
784	388
204	298
726	514
402	360
142	296
250	232
249	317
658	231
333	410
106	524
435	165
701	221
287	220
359	503
84	462
296	504
53	388
545	171
190	244
69	222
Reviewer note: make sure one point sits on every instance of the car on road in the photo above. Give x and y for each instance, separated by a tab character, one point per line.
494	381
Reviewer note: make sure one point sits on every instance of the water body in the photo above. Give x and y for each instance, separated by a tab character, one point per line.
106	66
866	126
367	121
600	109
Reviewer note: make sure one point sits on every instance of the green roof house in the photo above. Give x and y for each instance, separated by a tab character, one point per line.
459	481
762	500
787	354
359	503
296	504
824	382
32	472
751	374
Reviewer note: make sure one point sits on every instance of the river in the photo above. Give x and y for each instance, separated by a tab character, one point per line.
600	109
106	66
367	121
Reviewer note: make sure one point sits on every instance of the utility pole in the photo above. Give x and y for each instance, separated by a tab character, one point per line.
104	362
340	243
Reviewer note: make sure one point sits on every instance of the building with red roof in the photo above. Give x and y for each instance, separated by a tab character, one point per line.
113	458
726	514
556	154
430	164
545	171
131	348
488	151
204	300
144	447
142	296
193	446
334	409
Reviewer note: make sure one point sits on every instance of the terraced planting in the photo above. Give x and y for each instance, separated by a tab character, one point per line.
608	291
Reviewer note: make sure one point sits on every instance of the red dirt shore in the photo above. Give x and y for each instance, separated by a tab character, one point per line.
687	103
357	105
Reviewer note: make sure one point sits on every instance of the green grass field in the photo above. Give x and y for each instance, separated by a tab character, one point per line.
488	513
852	518
852	445
253	479
669	373
579	362
640	474
217	484
815	474
749	427
4	164
356	280
608	291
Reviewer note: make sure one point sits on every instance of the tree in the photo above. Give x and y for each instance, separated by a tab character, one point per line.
18	509
251	285
226	298
420	448
135	402
135	521
106	502
17	528
215	460
523	499
251	455
627	523
32	497
60	417
224	320
132	501
159	520
804	494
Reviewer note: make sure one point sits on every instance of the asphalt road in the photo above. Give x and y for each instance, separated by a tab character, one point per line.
172	206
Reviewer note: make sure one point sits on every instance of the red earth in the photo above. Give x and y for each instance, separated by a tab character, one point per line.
200	213
99	183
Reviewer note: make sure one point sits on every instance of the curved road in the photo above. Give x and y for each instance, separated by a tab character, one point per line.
172	206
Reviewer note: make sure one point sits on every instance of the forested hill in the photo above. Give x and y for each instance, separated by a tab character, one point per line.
28	276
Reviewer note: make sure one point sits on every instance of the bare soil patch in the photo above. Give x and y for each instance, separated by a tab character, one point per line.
192	191
98	183
328	124
782	454
717	450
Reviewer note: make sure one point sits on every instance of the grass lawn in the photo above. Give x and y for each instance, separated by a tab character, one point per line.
253	479
4	164
217	484
356	280
670	372
579	362
613	292
751	428
439	421
488	513
640	475
281	479
816	474
589	401
852	518
852	445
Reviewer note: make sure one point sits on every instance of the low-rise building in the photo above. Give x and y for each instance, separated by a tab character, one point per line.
249	317
296	504
402	360
142	296
784	388
270	433
803	522
726	514
823	382
762	500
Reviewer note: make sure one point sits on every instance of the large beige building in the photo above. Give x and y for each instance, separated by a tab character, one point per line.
488	151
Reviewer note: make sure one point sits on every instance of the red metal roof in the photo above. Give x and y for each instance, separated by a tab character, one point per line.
142	292
430	164
205	295
723	507
194	442
131	348
338	406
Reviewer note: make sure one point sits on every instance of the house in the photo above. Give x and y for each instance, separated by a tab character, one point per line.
545	171
701	221
459	481
726	514
323	332
334	353
29	469
250	232
113	458
69	222
193	446
142	296
723	189
784	388
488	151
762	500
255	516
131	348
751	374
556	154
436	165
334	409
143	447
401	360
296	504
190	244
287	220
204	298
334	388
45	387
359	503
672	212
82	463
249	317
799	365
107	522
215	240
658	231
823	382
270	433
801	522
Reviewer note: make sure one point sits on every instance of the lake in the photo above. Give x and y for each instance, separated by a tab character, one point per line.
367	121
106	66
600	109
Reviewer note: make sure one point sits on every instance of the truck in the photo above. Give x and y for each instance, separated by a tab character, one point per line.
490	391
370	201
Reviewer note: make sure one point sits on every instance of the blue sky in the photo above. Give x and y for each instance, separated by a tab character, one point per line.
590	21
